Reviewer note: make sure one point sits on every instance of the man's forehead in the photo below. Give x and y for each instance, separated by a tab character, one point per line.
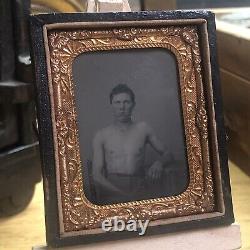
122	96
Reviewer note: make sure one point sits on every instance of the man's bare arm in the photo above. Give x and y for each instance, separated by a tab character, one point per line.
158	146
98	164
156	168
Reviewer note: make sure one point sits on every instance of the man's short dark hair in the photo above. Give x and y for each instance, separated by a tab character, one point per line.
122	88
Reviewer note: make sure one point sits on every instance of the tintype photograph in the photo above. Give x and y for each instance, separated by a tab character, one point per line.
130	125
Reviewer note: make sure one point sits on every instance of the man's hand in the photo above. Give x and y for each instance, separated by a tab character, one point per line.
155	171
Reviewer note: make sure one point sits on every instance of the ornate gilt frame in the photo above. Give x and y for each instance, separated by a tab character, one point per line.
188	40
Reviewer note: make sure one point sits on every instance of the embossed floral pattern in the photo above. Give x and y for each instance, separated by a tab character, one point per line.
77	212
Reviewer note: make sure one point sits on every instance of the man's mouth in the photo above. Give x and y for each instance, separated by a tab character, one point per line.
123	115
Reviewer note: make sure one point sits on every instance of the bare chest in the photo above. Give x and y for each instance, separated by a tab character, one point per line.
128	142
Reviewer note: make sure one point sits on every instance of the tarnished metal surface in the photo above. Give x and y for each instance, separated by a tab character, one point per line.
78	213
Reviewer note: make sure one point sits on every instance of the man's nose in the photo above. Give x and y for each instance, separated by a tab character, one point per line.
122	106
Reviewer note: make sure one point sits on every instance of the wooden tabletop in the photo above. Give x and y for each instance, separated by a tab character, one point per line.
27	229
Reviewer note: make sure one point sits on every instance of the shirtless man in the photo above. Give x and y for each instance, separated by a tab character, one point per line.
119	150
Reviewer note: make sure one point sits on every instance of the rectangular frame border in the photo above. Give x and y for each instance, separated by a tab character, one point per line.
44	109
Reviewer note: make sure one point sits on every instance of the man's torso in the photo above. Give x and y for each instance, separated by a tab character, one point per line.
125	149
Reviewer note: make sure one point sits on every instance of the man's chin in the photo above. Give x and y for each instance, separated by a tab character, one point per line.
124	119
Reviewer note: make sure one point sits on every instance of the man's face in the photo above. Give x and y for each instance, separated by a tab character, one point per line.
123	106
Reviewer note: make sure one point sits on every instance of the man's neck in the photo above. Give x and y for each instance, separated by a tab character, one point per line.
124	125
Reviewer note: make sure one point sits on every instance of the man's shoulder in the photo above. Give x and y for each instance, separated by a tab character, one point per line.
143	126
102	133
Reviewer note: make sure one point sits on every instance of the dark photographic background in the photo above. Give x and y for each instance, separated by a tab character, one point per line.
153	76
